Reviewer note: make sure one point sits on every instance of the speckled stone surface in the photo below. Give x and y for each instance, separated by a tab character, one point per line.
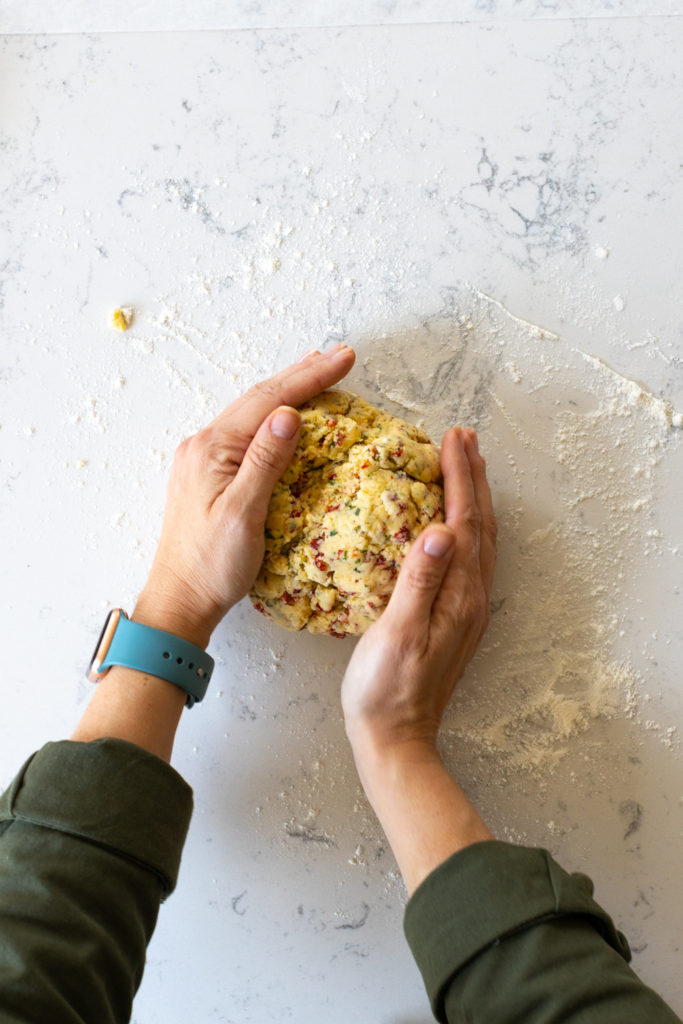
153	15
251	194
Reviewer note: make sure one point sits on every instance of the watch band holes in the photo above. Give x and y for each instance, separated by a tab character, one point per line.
201	672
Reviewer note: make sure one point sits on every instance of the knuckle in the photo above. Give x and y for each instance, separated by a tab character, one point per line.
185	458
212	450
206	453
471	518
422	577
490	526
265	389
198	443
183	449
264	458
474	607
320	381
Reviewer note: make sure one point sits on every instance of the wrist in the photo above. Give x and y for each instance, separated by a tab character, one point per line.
172	616
379	744
424	813
381	764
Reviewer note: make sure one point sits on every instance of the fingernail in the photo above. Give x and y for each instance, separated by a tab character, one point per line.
337	349
474	439
311	352
438	543
285	424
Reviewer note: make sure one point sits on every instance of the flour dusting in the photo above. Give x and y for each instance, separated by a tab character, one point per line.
573	449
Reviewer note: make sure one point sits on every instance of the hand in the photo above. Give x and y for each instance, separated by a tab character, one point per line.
404	669
212	540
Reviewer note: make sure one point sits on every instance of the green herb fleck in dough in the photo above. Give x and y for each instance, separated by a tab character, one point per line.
362	484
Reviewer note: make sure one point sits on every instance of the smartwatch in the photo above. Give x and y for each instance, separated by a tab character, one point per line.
124	642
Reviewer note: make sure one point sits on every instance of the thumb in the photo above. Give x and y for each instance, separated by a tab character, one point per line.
266	459
420	579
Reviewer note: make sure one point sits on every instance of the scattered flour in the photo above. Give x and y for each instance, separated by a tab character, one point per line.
573	450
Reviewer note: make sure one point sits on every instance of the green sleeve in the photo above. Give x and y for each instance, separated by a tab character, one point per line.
90	841
501	933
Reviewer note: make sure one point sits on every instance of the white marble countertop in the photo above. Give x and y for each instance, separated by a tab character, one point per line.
294	181
153	15
172	15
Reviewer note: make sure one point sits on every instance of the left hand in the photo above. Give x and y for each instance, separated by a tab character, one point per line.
212	540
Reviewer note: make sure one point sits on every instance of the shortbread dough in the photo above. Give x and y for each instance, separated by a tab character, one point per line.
361	486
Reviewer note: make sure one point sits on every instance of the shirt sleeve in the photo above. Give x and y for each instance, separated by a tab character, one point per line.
502	933
91	836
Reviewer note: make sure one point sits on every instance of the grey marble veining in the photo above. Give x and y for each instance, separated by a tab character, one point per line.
155	15
253	194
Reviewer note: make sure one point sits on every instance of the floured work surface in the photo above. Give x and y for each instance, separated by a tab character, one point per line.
563	730
575	455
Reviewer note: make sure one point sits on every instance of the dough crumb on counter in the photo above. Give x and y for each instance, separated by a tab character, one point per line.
122	318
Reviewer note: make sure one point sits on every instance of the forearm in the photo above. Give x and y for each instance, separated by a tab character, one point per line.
424	813
502	933
140	708
90	841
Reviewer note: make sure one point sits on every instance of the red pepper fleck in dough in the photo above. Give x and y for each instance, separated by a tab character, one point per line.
364	495
298	485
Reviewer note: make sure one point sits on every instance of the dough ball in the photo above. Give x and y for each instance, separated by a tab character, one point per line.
360	487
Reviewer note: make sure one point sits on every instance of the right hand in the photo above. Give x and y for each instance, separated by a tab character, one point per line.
404	669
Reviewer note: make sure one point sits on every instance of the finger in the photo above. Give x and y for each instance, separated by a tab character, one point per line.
419	581
292	386
482	494
265	461
462	511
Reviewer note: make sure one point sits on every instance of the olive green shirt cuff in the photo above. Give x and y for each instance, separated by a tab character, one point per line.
486	893
110	793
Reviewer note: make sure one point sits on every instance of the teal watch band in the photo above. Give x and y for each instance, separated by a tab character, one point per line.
159	654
